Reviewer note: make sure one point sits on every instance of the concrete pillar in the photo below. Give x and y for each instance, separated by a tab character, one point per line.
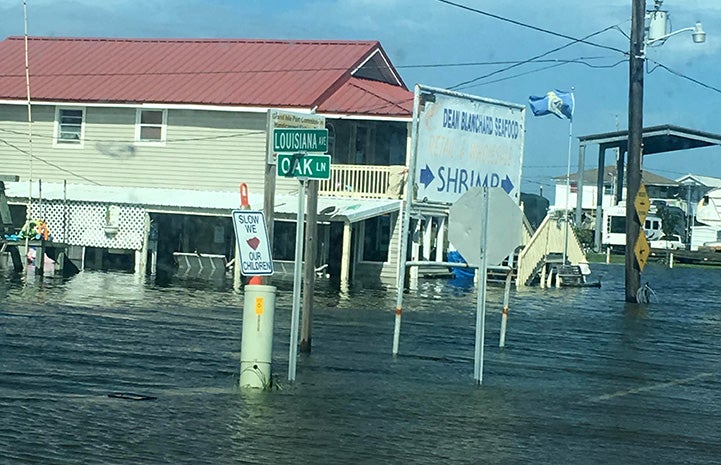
139	262
415	253
440	238
427	239
141	256
237	280
346	254
257	342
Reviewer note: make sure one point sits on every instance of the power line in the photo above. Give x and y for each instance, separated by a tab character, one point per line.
293	70
560	63
57	167
189	139
684	76
532	59
535	28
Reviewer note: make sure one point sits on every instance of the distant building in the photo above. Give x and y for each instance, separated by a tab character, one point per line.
658	187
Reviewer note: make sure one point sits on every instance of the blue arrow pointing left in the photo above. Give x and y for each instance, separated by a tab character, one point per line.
426	176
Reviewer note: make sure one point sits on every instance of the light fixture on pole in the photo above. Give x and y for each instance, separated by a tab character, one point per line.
657	33
659	28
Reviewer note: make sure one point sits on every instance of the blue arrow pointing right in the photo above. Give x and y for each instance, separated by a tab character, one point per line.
426	176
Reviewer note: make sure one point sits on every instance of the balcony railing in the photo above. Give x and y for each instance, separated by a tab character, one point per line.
364	181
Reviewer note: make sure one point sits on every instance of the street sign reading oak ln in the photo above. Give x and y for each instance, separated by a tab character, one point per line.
299	165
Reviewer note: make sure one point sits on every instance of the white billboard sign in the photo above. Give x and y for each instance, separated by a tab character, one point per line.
463	142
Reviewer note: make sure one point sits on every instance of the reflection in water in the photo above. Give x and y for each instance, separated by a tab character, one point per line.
584	377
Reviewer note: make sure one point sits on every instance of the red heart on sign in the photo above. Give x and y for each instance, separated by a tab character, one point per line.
254	242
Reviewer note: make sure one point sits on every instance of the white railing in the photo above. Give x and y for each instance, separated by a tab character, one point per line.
548	239
364	181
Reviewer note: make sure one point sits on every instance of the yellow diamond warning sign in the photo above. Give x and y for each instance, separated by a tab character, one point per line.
642	249
642	203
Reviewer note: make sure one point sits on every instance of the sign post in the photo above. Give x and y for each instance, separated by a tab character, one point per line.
485	239
301	154
297	272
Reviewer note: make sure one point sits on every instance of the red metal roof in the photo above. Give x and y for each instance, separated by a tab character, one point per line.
265	73
369	97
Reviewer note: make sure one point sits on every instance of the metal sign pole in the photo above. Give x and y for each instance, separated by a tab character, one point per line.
405	212
481	303
297	273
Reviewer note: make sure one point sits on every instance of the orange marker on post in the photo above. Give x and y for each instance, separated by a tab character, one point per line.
244	204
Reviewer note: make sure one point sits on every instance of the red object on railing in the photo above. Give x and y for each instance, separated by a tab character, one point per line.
244	204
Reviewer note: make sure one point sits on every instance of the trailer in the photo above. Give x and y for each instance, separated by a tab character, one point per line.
613	232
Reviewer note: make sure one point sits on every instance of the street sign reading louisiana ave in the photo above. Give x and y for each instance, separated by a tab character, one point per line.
295	140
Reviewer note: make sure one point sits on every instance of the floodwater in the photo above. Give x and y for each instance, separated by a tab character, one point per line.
584	377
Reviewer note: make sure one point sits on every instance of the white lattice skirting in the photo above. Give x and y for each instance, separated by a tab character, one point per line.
93	224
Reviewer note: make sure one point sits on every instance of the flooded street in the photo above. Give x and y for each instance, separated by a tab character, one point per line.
584	377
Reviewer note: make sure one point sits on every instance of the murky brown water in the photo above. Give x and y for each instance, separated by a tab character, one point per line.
585	378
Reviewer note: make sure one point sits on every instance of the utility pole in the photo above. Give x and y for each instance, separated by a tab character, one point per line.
311	248
635	139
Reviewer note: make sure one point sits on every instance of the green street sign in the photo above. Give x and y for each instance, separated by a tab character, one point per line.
295	140
299	165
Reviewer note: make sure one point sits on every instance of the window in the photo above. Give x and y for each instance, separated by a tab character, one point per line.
376	239
617	224
150	126
70	126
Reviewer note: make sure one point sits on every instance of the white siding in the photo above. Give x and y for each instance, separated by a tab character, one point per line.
205	150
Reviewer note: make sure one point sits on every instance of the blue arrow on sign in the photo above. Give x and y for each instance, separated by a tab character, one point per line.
426	176
507	185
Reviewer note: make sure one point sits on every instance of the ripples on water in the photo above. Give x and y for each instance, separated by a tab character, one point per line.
585	378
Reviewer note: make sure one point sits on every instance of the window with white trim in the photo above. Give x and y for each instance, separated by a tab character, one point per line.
70	126
150	126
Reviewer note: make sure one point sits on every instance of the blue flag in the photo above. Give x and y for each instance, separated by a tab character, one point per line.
555	102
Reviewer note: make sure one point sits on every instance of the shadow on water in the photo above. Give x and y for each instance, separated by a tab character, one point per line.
584	376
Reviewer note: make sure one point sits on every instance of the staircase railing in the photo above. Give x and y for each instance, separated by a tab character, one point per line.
548	238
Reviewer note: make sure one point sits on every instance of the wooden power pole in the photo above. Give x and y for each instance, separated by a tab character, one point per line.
635	140
311	248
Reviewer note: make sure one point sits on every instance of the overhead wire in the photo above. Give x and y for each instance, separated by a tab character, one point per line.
466	84
54	165
530	26
684	76
294	70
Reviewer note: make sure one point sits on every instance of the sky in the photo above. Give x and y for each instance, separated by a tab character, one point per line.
438	44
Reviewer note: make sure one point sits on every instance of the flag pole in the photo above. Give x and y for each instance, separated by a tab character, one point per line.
568	182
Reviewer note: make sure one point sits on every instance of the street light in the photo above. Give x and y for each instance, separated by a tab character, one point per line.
658	32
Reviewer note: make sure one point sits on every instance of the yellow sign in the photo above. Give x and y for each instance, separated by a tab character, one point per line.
642	250
642	203
259	306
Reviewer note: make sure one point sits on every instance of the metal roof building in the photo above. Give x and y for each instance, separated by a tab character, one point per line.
333	77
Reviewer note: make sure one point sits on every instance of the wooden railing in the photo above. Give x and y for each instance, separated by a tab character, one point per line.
364	181
547	239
